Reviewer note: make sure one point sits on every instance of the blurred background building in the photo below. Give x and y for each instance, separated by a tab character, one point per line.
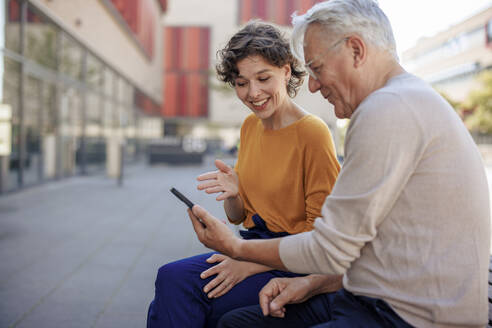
78	76
85	81
451	59
82	77
458	63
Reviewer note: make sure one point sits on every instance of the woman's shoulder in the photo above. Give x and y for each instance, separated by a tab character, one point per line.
313	127
250	121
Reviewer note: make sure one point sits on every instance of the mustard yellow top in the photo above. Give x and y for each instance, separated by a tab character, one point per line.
286	174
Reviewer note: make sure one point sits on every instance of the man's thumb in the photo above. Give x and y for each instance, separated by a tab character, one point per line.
201	213
279	302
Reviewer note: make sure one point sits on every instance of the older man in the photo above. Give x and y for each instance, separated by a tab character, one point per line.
407	222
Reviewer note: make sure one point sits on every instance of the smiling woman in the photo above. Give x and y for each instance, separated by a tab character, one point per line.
285	169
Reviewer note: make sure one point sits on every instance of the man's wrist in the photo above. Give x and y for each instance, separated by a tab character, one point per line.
236	249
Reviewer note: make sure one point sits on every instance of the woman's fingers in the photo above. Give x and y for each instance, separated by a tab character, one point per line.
223	287
207	176
208	184
225	290
222	166
214	190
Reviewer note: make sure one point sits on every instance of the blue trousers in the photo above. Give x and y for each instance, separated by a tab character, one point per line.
179	298
340	309
180	301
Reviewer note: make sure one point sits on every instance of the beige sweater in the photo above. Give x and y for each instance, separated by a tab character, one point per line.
408	220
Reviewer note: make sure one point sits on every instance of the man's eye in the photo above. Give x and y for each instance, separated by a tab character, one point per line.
316	69
240	84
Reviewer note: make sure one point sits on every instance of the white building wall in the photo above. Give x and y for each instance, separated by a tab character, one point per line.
224	107
102	33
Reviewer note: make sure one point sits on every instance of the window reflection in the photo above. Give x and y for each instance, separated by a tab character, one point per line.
12	27
10	96
41	39
71	57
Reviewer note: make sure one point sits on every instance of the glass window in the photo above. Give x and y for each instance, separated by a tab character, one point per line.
108	82
41	39
10	96
32	127
108	118
12	25
71	57
93	118
94	72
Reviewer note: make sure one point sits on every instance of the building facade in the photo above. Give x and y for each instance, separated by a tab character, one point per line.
82	77
195	101
451	59
77	76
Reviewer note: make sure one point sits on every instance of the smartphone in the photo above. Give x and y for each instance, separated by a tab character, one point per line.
182	198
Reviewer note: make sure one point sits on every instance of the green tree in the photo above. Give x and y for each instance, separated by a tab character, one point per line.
480	102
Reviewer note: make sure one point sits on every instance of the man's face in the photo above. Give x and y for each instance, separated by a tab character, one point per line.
329	60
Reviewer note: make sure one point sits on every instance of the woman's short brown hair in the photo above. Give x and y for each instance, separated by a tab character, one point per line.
264	40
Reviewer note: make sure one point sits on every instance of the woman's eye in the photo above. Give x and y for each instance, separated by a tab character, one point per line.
240	84
263	79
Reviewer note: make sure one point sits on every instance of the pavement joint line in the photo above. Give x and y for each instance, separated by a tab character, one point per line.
153	237
46	251
79	267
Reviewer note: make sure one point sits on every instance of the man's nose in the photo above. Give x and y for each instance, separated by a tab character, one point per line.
313	84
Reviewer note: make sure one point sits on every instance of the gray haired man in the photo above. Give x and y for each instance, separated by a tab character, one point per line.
408	221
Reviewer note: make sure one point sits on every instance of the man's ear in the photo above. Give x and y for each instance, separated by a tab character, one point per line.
359	51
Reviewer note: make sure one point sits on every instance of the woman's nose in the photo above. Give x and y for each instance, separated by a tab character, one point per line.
253	91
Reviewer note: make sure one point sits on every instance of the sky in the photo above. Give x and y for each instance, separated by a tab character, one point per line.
412	19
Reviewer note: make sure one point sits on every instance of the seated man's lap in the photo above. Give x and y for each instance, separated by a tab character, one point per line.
334	310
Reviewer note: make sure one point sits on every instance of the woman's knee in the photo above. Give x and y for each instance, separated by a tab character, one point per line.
168	274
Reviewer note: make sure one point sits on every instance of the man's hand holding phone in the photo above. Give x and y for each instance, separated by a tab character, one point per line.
212	232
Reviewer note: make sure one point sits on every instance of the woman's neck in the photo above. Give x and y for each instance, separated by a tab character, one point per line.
284	116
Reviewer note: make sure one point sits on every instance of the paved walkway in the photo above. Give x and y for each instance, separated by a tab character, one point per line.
83	252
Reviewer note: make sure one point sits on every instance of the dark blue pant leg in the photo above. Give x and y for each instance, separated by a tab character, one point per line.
334	310
180	301
307	314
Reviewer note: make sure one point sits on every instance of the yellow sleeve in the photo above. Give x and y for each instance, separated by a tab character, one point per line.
321	168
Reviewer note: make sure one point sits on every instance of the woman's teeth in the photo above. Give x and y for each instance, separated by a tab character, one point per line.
259	103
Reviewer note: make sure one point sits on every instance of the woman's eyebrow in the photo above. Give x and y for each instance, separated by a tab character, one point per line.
259	72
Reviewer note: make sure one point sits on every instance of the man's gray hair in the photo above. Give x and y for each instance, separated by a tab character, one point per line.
342	17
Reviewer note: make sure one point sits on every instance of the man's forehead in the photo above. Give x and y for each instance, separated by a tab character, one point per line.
312	41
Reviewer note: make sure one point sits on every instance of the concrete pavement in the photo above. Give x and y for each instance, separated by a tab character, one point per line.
84	253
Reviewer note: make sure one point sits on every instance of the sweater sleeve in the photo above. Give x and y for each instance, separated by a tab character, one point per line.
321	168
383	146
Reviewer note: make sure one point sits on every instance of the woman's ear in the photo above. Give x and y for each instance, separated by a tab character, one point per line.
287	71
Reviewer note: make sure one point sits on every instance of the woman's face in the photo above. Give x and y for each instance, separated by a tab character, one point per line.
262	86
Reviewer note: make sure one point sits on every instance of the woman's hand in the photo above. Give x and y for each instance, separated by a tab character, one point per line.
229	273
224	180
